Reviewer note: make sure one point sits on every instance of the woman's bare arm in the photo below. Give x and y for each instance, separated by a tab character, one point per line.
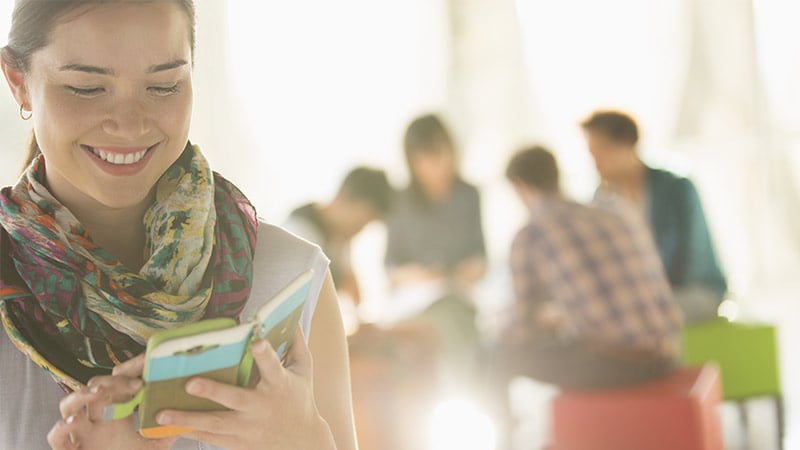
328	346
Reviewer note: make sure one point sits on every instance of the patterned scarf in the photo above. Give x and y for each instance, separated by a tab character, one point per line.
76	311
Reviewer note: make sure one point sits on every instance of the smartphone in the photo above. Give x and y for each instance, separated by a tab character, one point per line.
218	349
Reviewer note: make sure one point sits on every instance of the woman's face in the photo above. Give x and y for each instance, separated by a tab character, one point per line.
111	96
434	170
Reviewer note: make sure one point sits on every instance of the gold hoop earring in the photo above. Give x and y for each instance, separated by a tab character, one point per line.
22	113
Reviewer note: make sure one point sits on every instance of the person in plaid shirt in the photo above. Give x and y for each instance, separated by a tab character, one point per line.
594	308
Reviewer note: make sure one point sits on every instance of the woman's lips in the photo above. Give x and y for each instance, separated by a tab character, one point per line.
120	160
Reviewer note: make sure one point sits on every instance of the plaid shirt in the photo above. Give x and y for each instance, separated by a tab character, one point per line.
597	267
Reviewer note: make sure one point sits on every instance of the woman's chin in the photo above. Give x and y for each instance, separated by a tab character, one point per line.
125	199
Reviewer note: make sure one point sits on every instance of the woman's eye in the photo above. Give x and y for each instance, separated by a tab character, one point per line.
164	90
85	92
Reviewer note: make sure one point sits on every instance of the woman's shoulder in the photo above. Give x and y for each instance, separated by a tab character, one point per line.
279	250
270	234
280	257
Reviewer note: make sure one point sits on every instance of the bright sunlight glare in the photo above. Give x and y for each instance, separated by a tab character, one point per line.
459	424
729	310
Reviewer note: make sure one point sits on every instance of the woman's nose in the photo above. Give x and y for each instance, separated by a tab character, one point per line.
128	120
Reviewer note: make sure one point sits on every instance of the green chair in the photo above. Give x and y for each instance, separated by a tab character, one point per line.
747	356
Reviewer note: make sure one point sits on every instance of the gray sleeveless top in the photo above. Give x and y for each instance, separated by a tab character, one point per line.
29	397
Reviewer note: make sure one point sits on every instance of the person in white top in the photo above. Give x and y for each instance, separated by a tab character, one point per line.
118	229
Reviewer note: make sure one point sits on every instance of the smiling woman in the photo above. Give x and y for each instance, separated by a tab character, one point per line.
93	90
119	228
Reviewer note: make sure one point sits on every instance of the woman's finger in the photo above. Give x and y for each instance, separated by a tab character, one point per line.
130	368
77	403
64	434
99	392
59	438
117	387
269	365
299	359
228	395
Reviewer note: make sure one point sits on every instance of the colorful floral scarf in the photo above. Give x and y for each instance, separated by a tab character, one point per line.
76	311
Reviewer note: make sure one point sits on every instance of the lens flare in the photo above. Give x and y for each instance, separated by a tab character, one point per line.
458	423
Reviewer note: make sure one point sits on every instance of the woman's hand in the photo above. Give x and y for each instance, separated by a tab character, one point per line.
278	413
82	425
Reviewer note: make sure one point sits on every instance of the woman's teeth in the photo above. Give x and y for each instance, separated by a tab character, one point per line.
118	158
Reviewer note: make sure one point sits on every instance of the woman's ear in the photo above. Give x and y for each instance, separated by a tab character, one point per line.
16	82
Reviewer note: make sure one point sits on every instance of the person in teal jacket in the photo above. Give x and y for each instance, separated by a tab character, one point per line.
673	209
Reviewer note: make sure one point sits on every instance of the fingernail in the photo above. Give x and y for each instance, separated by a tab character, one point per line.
94	389
194	387
260	346
69	420
164	418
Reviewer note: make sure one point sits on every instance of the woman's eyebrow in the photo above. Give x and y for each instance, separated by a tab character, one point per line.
108	71
167	66
86	68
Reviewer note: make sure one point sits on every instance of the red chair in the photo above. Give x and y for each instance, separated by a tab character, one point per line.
679	412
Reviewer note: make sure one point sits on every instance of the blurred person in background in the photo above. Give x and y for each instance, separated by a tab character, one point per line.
672	207
435	237
364	195
593	307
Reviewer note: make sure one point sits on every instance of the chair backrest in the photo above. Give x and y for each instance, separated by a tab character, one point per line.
747	355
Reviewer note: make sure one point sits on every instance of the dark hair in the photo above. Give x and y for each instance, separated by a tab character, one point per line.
32	23
370	186
536	167
618	126
33	152
424	135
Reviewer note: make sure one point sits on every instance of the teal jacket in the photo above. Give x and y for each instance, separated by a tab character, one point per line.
681	233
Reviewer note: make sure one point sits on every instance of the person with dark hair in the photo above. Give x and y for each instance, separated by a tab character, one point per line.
593	307
365	195
119	229
434	229
672	207
435	237
535	167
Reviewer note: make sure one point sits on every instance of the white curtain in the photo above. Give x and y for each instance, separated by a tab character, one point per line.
729	124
